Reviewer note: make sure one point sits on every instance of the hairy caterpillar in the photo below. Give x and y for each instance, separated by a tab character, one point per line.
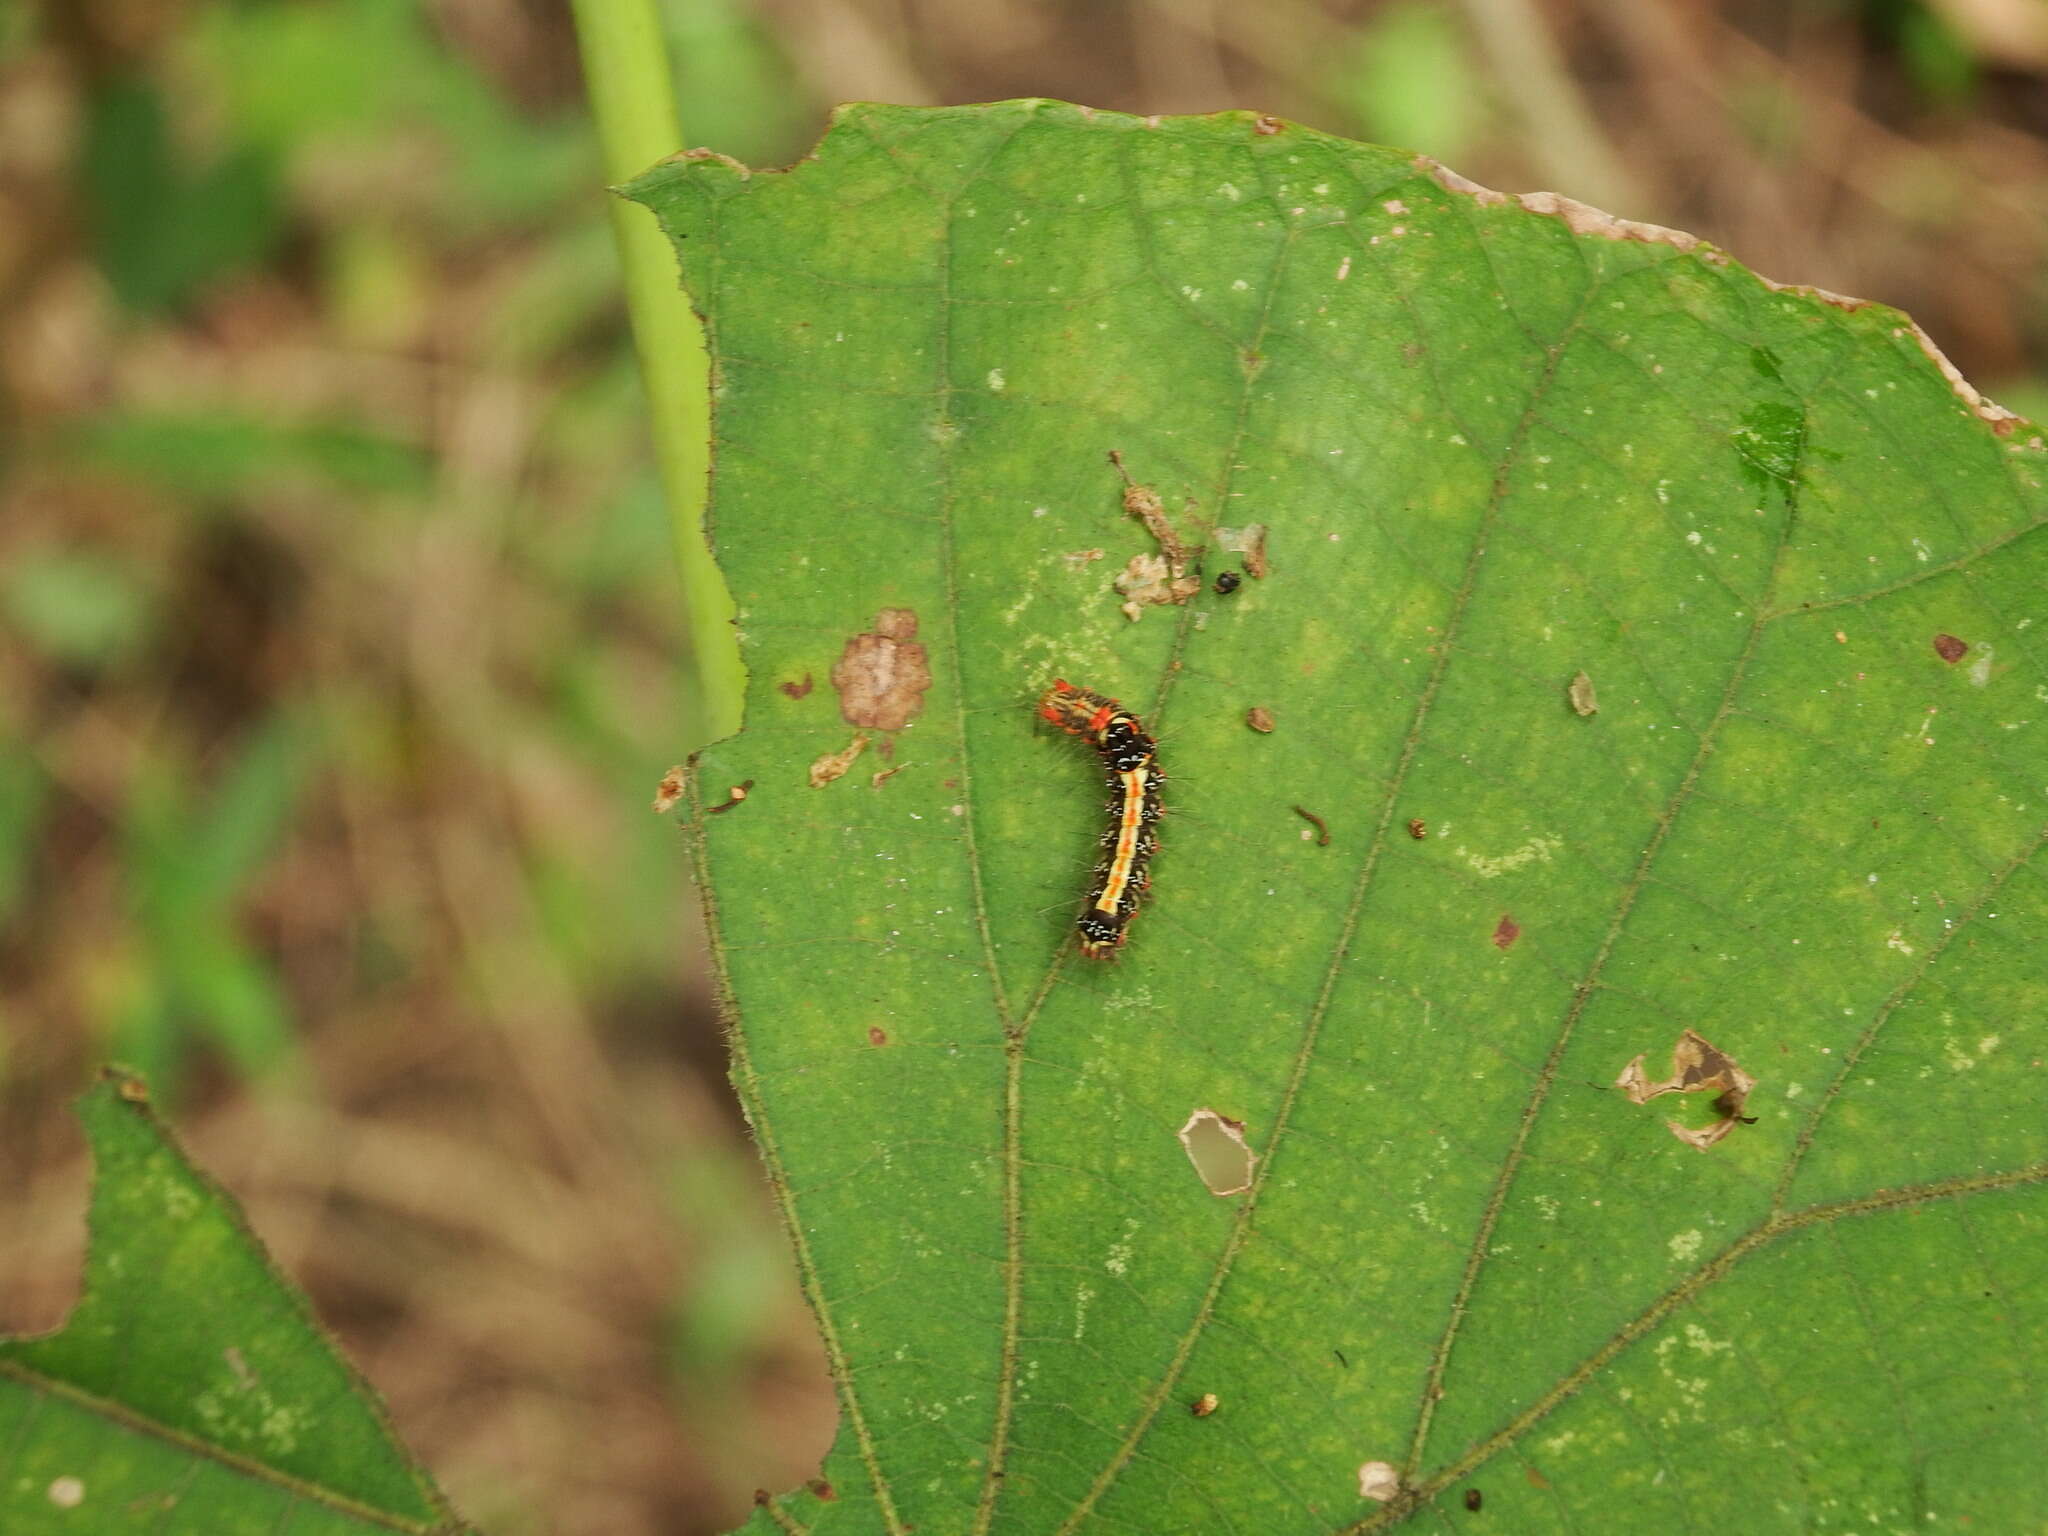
1130	766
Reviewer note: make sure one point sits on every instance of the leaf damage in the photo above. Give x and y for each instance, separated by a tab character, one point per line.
882	674
1697	1066
833	765
1215	1144
1153	579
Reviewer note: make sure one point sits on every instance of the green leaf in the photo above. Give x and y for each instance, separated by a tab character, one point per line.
1796	805
191	1389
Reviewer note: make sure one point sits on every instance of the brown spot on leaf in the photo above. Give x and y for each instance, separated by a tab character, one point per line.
1536	1479
1580	692
1473	1501
1215	1144
733	797
833	764
882	674
1696	1067
1950	649
799	690
882	775
1322	827
1266	126
668	791
877	1035
822	1489
1505	932
1418	829
1259	718
1203	1406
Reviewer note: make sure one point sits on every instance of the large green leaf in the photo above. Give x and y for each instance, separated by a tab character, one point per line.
190	1392
1497	443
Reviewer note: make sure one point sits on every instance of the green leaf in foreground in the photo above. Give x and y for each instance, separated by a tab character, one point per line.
191	1390
1797	806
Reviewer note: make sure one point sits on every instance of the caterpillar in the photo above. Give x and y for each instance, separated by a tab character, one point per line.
1130	765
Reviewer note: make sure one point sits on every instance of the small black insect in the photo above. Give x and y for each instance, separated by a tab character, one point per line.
1228	583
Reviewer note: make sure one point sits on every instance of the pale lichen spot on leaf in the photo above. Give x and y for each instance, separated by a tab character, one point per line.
882	674
1685	1246
1537	850
1216	1146
67	1492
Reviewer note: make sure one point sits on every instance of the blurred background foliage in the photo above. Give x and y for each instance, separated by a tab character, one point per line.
339	633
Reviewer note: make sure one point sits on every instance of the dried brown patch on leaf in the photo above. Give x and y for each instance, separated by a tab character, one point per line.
833	764
1143	503
1259	718
1584	701
1080	559
1150	579
668	791
1204	1405
1418	829
883	775
1505	932
1322	827
882	674
877	1035
1696	1067
1215	1144
798	690
1162	578
1951	649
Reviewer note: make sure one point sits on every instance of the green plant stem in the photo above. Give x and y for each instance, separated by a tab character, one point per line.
632	97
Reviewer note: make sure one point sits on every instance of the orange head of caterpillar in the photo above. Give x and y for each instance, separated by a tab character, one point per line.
1075	710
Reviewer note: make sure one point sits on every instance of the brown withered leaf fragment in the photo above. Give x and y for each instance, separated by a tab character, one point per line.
882	674
1259	718
833	764
1951	649
668	791
1581	694
1696	1067
1418	829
